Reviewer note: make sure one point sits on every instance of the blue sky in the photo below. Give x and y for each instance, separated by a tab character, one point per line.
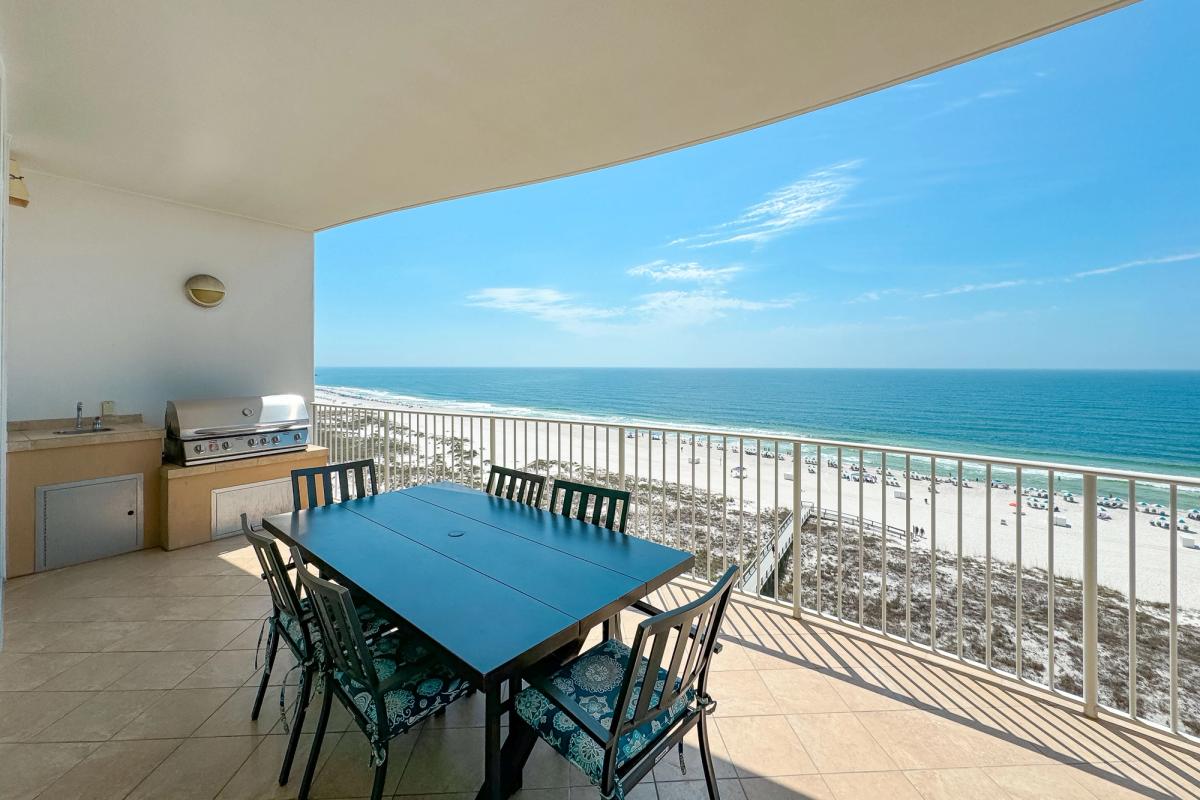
1037	208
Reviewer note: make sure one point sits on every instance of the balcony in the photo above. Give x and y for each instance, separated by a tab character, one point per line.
132	677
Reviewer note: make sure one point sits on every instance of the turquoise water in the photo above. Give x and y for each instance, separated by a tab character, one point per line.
1146	421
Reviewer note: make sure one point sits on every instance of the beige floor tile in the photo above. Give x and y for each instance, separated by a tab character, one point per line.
802	691
741	693
643	791
95	672
861	785
445	760
764	747
1129	780
161	670
233	717
207	635
100	717
226	668
917	740
729	789
1033	783
24	714
839	743
247	607
787	787
668	768
733	656
112	770
89	637
347	772
258	777
176	714
860	695
196	770
247	639
956	784
29	768
148	636
545	769
31	670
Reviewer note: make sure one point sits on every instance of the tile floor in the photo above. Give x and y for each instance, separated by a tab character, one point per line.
133	677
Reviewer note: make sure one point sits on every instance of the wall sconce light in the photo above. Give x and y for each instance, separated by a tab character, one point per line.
18	195
205	290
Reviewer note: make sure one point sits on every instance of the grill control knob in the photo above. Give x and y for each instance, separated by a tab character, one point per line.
224	445
199	448
295	437
212	446
274	440
263	440
251	441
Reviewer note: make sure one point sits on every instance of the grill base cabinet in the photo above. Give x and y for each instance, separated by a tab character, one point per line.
87	520
203	502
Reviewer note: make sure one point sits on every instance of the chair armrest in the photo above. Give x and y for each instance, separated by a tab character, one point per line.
576	712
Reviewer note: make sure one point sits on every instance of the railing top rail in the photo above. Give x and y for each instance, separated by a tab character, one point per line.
1104	473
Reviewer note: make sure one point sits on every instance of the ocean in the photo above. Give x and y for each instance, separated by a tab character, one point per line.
1138	420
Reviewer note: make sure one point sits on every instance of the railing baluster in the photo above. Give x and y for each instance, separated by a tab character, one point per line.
1173	639
1020	598
908	547
1050	580
933	493
840	535
1091	608
987	579
883	538
958	604
1133	658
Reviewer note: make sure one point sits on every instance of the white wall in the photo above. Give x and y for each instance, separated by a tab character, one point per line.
95	307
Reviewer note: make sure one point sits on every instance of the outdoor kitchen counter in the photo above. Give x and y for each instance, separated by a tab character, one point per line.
44	437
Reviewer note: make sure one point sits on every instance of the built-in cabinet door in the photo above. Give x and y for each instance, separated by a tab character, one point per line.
87	520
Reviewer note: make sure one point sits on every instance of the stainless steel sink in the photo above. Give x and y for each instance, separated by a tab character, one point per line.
73	431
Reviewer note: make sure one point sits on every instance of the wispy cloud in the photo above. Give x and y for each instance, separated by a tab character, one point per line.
1141	262
548	305
690	271
968	288
1012	283
963	102
677	308
874	296
801	203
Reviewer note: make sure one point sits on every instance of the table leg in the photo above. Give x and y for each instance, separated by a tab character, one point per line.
493	786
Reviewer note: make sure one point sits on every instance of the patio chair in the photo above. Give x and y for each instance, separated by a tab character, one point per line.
292	620
598	713
595	504
335	483
588	503
513	484
387	686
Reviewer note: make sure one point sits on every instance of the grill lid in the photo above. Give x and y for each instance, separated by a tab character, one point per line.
230	416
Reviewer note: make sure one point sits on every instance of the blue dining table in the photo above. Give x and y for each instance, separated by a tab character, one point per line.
500	587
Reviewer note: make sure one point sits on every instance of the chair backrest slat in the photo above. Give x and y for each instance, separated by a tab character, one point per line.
513	484
333	476
690	657
609	507
341	628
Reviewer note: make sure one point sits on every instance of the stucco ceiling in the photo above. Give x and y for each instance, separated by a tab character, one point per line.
311	113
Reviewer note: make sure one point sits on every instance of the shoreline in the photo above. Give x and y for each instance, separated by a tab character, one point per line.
377	398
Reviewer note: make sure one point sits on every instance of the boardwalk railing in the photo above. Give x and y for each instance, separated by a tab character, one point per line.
1082	581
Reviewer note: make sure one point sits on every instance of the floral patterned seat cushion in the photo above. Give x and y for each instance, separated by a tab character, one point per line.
373	626
419	684
593	680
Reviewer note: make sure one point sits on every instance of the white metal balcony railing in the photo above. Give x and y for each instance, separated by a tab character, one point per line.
1078	594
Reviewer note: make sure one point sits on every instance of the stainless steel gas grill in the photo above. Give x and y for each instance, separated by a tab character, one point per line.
226	428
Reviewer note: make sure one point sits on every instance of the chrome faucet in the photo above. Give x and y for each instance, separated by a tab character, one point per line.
79	416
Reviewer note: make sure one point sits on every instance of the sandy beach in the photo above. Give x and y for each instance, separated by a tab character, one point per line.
752	481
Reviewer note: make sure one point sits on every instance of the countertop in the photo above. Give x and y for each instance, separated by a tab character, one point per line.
38	438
